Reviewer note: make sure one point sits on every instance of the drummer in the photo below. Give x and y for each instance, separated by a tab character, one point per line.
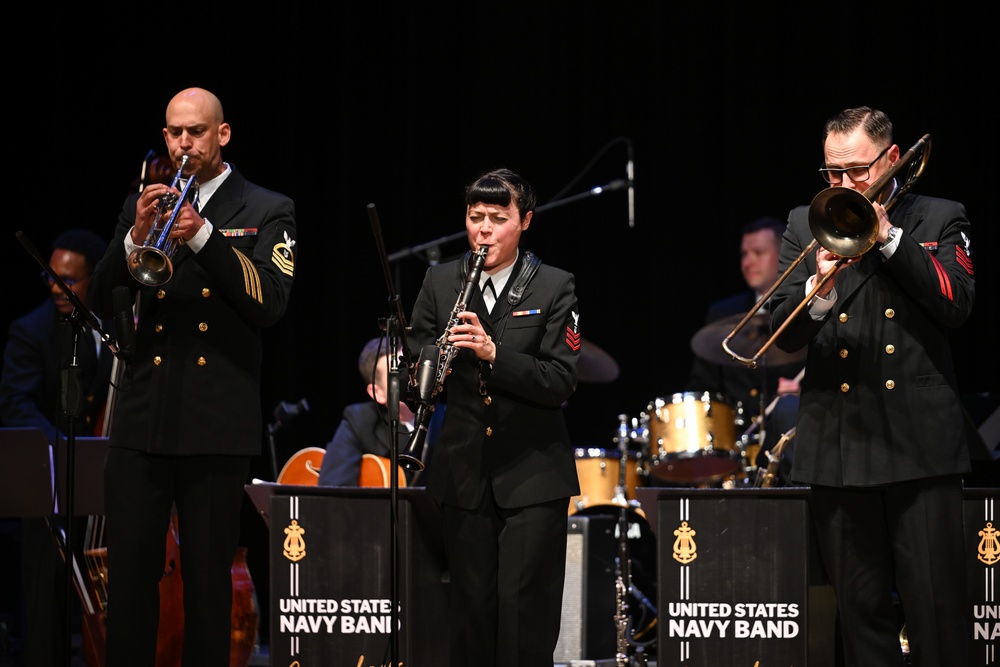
771	388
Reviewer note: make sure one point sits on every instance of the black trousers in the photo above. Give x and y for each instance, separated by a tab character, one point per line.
141	491
908	538
507	569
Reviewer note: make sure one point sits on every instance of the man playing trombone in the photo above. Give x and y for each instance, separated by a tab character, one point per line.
880	435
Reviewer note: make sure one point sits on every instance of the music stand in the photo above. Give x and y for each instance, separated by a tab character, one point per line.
25	473
88	467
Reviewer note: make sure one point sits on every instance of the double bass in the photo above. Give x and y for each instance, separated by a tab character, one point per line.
170	637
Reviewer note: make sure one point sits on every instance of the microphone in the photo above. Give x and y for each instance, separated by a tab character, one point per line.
617	184
121	300
427	368
631	189
284	412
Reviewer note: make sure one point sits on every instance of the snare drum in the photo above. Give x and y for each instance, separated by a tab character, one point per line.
692	439
598	470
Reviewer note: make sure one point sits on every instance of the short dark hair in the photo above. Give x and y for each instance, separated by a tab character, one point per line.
370	354
777	225
83	241
499	187
875	123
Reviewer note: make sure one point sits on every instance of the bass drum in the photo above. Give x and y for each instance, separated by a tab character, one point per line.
692	439
599	473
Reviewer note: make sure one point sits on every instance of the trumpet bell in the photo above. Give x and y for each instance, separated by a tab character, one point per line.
150	263
843	221
150	266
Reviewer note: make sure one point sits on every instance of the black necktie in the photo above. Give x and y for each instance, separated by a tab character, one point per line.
192	196
489	294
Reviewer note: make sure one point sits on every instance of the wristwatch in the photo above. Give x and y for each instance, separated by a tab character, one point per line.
891	236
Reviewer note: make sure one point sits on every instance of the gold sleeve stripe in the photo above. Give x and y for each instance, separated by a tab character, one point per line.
251	279
285	264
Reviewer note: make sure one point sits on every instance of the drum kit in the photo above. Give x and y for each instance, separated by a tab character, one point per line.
698	439
686	439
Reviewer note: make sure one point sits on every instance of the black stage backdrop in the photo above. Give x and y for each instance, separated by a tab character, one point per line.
361	104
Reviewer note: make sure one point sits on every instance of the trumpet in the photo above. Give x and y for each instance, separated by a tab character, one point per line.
151	263
845	222
434	365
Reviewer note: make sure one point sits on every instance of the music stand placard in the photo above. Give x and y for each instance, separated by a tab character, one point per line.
982	534
732	580
331	586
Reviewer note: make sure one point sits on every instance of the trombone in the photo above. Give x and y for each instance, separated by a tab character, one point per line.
844	222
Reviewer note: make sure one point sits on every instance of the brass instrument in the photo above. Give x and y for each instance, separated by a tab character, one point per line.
766	477
845	222
434	365
150	263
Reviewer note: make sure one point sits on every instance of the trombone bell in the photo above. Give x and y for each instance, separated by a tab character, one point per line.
843	221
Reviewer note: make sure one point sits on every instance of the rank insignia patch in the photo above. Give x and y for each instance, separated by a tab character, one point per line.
282	256
573	333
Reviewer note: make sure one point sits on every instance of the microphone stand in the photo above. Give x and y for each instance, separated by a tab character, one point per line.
283	413
395	326
431	246
69	379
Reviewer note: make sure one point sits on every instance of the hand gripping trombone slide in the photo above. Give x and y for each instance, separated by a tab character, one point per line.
434	365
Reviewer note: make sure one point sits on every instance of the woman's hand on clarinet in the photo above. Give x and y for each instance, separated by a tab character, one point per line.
470	334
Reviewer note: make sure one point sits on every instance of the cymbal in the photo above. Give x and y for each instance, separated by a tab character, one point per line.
707	342
594	364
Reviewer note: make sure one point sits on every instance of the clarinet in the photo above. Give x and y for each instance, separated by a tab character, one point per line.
621	592
623	562
435	364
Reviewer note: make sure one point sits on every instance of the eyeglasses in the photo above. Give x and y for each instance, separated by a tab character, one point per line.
69	282
857	174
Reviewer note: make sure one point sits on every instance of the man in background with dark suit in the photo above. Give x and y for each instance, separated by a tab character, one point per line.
364	426
752	392
39	348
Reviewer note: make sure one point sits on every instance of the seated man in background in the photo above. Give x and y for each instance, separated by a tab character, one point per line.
752	391
364	427
39	347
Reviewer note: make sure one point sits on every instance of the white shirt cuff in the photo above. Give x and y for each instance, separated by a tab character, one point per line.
820	307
